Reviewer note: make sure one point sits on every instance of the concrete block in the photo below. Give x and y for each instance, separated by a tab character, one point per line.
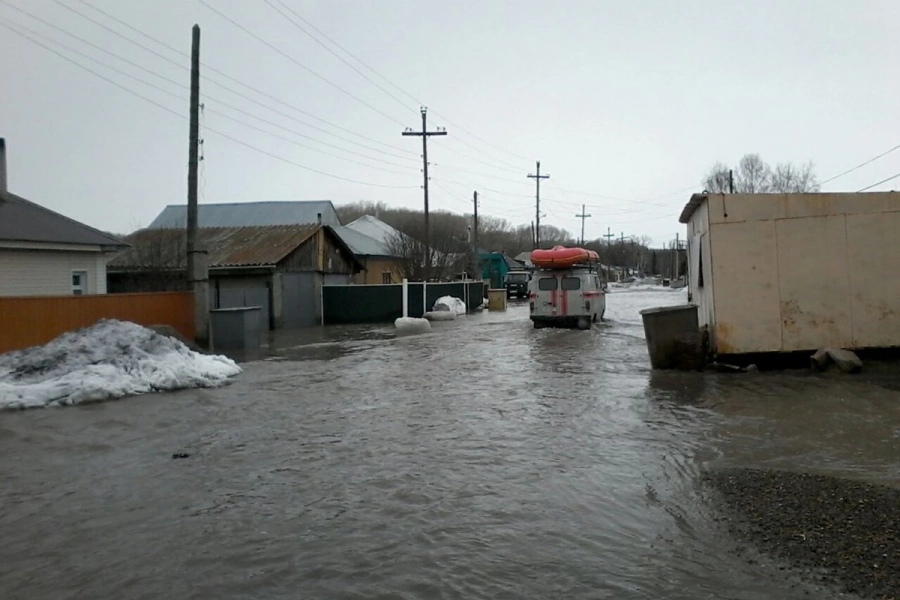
848	361
820	360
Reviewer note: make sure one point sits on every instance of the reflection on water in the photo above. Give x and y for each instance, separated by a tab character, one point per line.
483	460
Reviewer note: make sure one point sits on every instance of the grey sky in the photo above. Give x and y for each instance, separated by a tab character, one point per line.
630	102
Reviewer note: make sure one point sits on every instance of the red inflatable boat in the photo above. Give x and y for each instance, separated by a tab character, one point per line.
561	257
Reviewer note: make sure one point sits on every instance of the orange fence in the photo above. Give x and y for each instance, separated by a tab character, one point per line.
36	320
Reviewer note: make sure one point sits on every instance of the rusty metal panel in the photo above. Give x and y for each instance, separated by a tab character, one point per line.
31	321
874	271
813	283
744	261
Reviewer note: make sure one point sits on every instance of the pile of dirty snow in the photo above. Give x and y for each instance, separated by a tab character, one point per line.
110	359
450	303
411	326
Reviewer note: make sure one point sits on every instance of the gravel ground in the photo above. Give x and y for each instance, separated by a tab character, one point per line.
847	532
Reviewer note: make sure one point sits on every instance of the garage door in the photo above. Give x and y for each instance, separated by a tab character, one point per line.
299	300
240	297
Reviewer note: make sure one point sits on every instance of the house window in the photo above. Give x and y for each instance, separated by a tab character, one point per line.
386	277
79	283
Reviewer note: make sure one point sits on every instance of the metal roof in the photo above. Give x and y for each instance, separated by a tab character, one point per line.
25	221
692	205
226	246
374	227
255	214
361	244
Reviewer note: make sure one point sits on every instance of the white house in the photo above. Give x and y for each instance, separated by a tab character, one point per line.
43	253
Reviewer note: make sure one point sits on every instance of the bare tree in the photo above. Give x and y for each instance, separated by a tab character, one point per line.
155	262
753	175
449	246
786	178
717	180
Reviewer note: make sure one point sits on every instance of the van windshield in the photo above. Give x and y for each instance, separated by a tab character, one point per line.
547	284
517	277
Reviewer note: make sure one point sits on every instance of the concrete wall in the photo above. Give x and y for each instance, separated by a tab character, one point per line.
49	273
802	271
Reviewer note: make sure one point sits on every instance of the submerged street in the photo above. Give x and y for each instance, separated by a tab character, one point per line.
484	460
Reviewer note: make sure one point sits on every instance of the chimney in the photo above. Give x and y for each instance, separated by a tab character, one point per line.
2	165
319	218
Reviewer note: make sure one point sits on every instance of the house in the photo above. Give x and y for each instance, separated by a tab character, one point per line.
525	259
795	272
240	214
43	253
379	265
280	268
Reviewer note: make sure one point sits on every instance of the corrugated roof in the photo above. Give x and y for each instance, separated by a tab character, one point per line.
692	205
25	221
254	214
361	244
226	246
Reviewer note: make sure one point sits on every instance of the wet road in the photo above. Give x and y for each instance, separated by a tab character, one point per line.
485	460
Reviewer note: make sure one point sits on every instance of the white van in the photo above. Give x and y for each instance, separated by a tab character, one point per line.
573	297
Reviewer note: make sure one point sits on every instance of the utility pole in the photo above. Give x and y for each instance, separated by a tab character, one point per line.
675	268
609	236
475	232
537	180
731	181
425	134
582	216
197	261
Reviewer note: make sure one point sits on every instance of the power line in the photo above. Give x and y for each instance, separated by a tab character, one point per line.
179	115
296	62
212	110
246	85
226	88
869	187
871	160
339	57
382	77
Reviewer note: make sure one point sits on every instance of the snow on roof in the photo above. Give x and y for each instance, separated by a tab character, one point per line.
255	214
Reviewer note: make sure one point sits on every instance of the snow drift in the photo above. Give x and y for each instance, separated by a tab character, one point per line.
110	359
440	315
450	303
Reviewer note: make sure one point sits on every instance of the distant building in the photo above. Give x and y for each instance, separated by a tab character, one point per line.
280	268
242	214
791	272
43	253
372	240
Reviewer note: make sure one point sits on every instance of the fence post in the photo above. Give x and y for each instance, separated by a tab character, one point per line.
405	297
424	297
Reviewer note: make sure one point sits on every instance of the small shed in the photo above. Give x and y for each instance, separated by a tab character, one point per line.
279	268
795	272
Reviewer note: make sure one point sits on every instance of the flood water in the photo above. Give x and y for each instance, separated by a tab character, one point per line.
484	460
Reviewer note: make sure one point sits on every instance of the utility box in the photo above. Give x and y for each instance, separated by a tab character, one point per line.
497	299
673	337
236	328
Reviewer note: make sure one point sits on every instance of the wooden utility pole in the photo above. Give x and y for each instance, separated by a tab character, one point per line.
609	236
537	180
197	261
731	181
675	267
425	134
475	233
582	216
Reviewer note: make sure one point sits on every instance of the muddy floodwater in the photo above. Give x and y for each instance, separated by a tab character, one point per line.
484	460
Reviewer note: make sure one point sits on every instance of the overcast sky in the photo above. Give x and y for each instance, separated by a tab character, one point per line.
626	104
